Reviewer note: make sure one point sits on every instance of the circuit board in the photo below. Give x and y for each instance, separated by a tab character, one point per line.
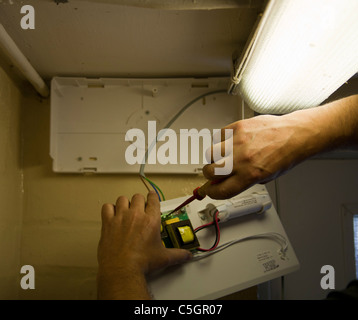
177	230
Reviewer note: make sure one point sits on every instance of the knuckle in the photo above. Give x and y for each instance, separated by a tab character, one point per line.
166	260
256	174
238	126
209	171
135	214
225	193
240	140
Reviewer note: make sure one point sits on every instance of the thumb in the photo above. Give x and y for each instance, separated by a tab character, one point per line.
177	256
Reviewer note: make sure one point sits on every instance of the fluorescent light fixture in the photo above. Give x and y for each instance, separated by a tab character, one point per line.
300	53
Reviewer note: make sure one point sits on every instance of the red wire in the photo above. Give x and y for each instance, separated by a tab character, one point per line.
216	221
204	226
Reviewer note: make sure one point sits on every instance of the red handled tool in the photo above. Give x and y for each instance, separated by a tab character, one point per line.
198	194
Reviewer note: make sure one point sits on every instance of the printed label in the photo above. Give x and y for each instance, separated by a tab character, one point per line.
245	202
267	260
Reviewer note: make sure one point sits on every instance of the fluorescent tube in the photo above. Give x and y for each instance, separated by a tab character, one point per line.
302	51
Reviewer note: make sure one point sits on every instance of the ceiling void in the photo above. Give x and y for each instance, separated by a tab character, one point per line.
103	39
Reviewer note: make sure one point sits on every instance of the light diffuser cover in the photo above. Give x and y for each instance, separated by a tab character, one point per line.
303	51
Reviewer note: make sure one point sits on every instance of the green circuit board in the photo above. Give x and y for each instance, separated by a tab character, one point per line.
180	214
177	230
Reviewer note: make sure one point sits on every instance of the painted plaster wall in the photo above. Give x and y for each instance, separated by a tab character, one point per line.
11	188
61	224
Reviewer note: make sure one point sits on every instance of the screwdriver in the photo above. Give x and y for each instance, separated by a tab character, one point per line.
198	194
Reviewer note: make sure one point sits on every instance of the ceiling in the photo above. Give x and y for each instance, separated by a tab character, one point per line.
106	39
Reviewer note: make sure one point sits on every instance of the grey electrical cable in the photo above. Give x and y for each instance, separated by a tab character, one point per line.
276	236
168	125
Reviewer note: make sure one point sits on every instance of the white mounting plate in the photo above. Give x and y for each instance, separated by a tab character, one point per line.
238	267
90	117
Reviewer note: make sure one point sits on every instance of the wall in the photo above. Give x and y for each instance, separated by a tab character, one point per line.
52	221
61	219
11	189
312	200
61	225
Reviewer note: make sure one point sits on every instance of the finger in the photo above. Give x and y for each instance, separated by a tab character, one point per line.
220	169
122	203
227	188
138	202
153	204
107	212
177	256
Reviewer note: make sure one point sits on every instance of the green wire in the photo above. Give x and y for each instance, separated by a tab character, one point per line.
155	186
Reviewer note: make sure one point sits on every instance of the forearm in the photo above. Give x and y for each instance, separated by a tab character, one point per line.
343	115
125	285
266	147
332	126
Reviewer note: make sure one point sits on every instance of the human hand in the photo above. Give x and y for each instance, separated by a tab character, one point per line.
263	148
130	246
